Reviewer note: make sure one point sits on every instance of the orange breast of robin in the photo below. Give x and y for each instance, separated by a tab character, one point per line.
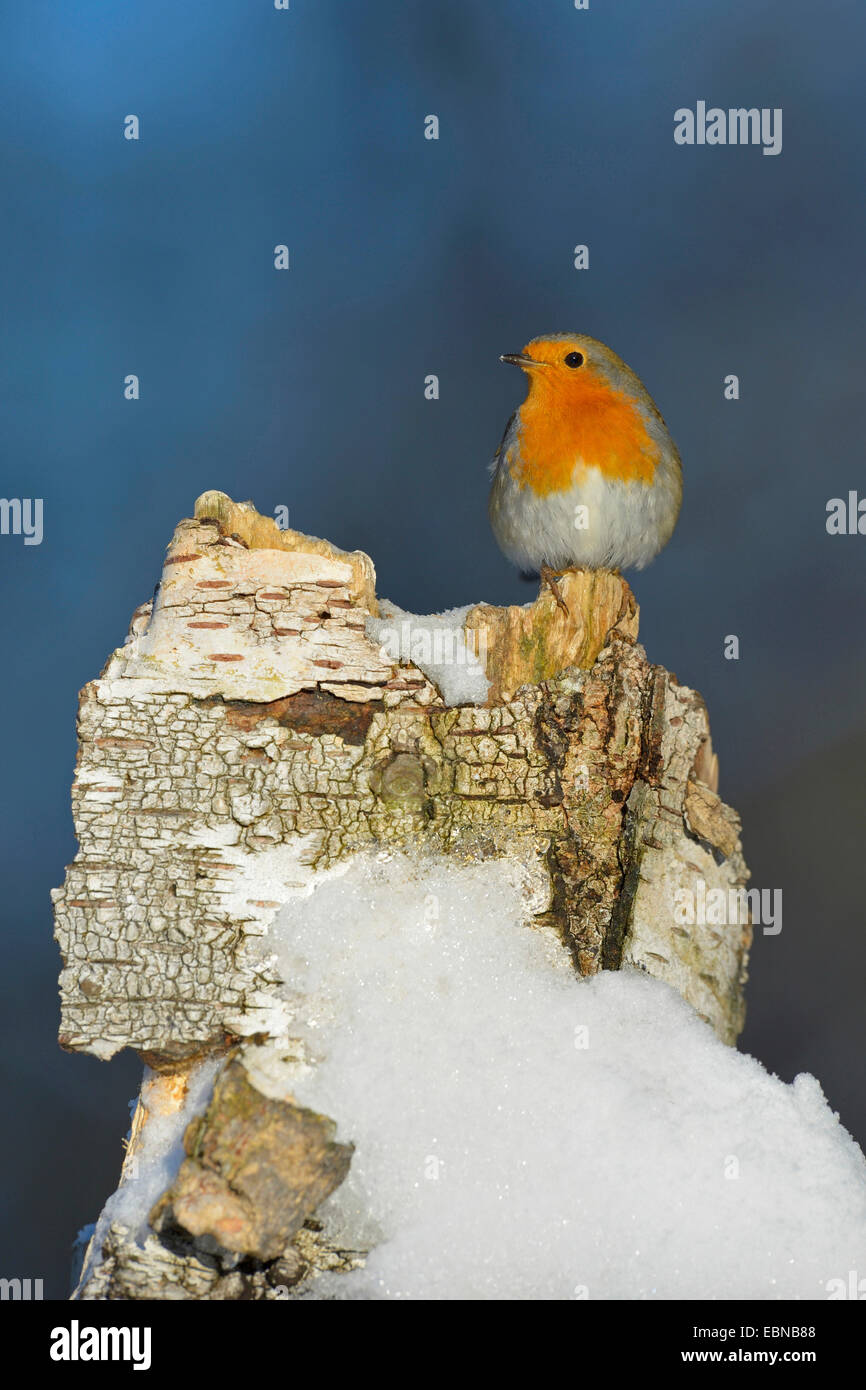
585	421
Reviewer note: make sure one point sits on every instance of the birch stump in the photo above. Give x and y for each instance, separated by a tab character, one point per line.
254	731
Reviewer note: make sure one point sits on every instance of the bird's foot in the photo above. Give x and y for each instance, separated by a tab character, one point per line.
549	577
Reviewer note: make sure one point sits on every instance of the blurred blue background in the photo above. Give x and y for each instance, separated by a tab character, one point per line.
305	389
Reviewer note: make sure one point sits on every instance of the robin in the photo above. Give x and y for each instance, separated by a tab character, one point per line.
586	476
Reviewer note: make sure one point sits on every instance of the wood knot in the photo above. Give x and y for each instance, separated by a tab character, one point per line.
401	780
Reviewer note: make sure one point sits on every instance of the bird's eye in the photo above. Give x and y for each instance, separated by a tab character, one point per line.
574	359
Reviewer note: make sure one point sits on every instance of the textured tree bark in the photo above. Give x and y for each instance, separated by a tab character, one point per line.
252	733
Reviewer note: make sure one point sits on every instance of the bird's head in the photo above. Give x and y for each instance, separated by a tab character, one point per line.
571	369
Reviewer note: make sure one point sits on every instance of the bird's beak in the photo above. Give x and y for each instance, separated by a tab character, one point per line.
518	359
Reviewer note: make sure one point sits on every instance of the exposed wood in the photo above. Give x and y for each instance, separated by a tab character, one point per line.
526	645
255	1170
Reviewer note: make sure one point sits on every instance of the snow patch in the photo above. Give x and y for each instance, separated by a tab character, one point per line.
523	1134
159	1154
436	644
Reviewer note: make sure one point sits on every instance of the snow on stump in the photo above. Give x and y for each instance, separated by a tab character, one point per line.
268	722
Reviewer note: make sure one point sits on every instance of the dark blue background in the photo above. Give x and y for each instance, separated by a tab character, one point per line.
305	389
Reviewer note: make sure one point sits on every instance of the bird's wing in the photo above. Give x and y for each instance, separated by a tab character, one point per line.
494	462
